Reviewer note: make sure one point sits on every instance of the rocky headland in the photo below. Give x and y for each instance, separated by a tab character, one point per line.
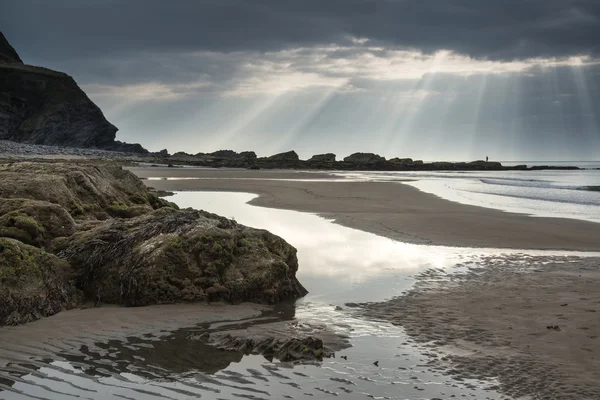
91	233
42	106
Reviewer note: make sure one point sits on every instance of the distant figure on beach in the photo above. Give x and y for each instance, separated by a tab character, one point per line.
486	158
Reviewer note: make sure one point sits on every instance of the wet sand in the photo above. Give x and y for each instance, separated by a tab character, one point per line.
492	321
69	330
88	326
489	319
388	209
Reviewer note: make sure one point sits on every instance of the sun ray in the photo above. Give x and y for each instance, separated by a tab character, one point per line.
301	125
590	126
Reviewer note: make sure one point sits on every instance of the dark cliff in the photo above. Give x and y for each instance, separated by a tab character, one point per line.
42	106
7	53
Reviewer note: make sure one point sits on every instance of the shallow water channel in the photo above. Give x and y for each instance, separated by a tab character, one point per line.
338	265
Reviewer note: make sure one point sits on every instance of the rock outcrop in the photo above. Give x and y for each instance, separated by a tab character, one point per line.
401	161
288	156
96	230
224	154
327	161
364	158
7	52
42	106
322	158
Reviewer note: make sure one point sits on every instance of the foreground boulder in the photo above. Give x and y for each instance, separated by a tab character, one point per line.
170	256
95	229
33	283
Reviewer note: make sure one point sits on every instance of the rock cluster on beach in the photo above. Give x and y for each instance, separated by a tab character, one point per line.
354	162
71	233
249	159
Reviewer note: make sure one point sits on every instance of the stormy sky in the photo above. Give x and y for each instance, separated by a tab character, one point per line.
428	79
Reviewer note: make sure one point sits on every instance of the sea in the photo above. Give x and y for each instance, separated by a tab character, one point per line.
542	193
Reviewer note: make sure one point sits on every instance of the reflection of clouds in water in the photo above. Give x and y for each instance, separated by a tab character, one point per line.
340	264
329	250
324	248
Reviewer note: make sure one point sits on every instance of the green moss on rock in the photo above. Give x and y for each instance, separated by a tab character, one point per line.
98	226
34	222
33	283
86	190
173	256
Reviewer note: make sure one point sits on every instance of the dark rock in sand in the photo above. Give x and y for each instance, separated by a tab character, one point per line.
364	158
42	106
224	154
283	340
164	153
483	165
126	147
284	157
286	350
247	155
322	158
401	161
33	283
164	193
288	159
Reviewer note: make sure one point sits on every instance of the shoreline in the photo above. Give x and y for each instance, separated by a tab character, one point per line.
525	321
393	210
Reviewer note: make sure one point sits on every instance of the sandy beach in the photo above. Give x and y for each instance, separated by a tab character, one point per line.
388	209
532	323
527	321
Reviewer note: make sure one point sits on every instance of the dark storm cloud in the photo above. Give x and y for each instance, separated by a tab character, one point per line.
499	30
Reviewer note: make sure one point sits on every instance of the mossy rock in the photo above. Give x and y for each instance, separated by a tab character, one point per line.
170	256
34	222
124	210
86	190
33	283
